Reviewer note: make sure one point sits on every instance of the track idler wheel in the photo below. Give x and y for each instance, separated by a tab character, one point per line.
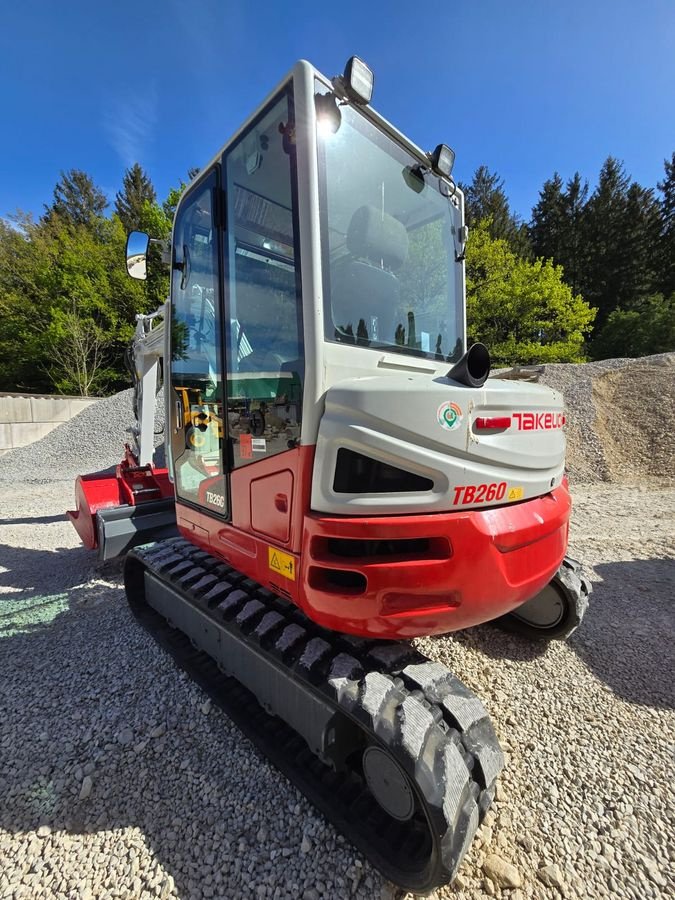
557	610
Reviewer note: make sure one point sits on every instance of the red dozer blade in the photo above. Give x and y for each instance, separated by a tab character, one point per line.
114	512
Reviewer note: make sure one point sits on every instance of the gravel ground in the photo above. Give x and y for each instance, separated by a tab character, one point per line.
119	780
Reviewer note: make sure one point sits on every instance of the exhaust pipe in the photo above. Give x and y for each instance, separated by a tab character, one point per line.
473	368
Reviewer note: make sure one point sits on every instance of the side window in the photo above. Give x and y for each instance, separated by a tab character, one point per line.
265	359
197	427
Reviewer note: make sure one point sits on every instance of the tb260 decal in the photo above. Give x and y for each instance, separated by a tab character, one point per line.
486	493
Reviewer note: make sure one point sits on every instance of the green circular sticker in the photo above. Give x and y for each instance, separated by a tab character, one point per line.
449	415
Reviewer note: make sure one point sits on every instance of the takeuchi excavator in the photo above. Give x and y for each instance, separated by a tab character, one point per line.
342	474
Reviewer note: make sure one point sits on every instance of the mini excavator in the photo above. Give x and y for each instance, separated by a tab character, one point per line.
342	475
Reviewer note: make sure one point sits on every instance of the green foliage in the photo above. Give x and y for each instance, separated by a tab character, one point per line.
67	306
77	200
522	311
485	199
137	191
556	228
648	328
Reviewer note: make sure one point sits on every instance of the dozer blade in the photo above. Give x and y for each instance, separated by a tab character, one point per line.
120	528
117	511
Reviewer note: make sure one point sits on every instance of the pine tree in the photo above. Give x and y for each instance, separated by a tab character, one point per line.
642	233
548	224
129	202
77	200
605	219
485	198
666	256
556	227
573	260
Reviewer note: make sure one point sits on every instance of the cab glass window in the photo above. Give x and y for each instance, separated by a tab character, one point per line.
197	428
265	359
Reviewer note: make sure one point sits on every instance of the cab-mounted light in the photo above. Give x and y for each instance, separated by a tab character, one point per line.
442	160
358	81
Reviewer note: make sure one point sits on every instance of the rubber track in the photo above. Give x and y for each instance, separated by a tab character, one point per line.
433	726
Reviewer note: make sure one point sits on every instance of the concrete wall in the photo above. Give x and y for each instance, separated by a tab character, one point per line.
25	418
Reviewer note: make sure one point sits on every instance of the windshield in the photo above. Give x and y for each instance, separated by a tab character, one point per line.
388	236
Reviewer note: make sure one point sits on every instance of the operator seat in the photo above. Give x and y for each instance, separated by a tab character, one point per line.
364	287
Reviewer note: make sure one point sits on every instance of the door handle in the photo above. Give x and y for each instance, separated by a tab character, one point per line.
179	415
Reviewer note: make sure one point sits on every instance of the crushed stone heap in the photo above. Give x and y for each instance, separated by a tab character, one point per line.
91	441
621	417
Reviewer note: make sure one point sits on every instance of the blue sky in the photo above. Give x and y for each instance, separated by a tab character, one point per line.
523	87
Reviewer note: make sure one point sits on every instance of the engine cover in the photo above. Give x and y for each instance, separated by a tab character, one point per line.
464	448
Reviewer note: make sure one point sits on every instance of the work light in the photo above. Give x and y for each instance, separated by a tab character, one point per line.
358	81
442	160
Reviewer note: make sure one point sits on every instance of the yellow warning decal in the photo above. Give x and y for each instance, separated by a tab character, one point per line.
283	563
515	493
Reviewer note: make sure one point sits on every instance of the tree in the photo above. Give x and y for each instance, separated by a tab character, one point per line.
605	234
622	223
523	311
137	190
574	247
485	198
666	278
25	260
78	354
77	200
648	328
548	224
87	281
642	235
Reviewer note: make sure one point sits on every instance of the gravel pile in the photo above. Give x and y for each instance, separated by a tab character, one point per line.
621	417
92	441
119	780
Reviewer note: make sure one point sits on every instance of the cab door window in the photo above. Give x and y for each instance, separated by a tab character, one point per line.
198	428
265	357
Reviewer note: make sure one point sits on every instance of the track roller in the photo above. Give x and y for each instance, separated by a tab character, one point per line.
557	611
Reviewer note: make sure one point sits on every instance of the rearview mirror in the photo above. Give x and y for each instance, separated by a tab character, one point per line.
137	255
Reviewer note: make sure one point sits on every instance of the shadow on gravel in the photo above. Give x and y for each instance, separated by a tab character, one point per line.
39	586
35	520
627	638
92	696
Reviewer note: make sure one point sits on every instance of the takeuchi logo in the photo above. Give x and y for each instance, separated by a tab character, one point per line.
449	415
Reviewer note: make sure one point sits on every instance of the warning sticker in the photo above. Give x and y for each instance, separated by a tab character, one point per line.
515	493
259	445
283	563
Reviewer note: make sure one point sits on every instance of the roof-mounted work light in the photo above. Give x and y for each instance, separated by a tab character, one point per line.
358	81
442	160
